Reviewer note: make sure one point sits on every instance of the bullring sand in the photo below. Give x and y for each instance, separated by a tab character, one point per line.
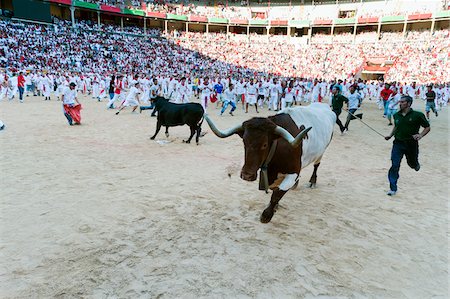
101	211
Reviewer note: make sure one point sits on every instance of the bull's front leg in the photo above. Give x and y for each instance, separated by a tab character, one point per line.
313	179
267	215
158	127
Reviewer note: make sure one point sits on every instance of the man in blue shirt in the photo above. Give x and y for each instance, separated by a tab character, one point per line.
218	88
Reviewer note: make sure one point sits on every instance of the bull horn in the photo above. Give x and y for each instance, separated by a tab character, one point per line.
222	134
286	135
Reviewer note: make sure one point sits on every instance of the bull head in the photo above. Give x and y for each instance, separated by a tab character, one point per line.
295	142
257	135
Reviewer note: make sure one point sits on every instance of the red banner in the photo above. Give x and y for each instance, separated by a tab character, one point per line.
370	20
423	16
323	22
194	18
239	21
278	23
152	14
110	8
65	2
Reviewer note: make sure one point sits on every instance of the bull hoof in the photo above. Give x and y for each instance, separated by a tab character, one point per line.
312	185
266	216
167	135
152	138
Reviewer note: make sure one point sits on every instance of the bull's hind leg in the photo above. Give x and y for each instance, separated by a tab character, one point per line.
167	132
192	134
158	127
199	131
313	179
267	215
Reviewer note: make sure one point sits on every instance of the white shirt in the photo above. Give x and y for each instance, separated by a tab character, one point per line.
229	95
155	89
240	88
274	89
13	81
132	93
353	100
69	96
289	94
206	88
251	89
393	101
182	90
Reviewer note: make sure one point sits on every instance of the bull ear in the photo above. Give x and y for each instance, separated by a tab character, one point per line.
223	134
286	135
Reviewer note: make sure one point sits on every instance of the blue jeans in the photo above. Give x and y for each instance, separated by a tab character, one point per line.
148	107
21	93
399	148
386	107
225	106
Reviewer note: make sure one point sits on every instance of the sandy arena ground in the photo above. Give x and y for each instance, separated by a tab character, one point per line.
101	211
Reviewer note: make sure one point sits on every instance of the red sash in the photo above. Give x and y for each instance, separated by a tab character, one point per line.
74	112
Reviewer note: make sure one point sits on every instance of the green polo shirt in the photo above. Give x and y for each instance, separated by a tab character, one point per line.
409	125
337	101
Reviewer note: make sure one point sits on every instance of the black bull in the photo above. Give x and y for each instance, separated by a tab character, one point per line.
270	146
171	115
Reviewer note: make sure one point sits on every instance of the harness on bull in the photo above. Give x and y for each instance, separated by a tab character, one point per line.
263	177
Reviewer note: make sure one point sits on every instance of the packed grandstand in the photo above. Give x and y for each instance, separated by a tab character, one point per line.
405	41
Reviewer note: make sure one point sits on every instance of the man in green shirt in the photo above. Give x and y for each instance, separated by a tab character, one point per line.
406	131
337	101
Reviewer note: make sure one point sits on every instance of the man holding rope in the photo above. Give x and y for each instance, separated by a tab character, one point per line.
337	102
406	131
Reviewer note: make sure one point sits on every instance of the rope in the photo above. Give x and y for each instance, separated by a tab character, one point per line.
363	122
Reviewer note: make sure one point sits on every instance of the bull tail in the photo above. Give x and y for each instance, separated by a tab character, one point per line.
200	122
199	126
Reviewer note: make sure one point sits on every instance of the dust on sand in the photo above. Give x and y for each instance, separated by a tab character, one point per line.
100	211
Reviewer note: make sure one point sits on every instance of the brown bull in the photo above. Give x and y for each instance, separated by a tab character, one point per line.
270	146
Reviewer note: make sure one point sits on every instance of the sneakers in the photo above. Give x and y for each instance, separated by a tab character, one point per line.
417	168
391	193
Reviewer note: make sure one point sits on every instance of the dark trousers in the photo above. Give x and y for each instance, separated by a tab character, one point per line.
351	112
21	93
338	121
69	118
399	148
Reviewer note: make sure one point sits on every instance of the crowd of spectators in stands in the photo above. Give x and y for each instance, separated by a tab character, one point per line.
424	57
242	9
